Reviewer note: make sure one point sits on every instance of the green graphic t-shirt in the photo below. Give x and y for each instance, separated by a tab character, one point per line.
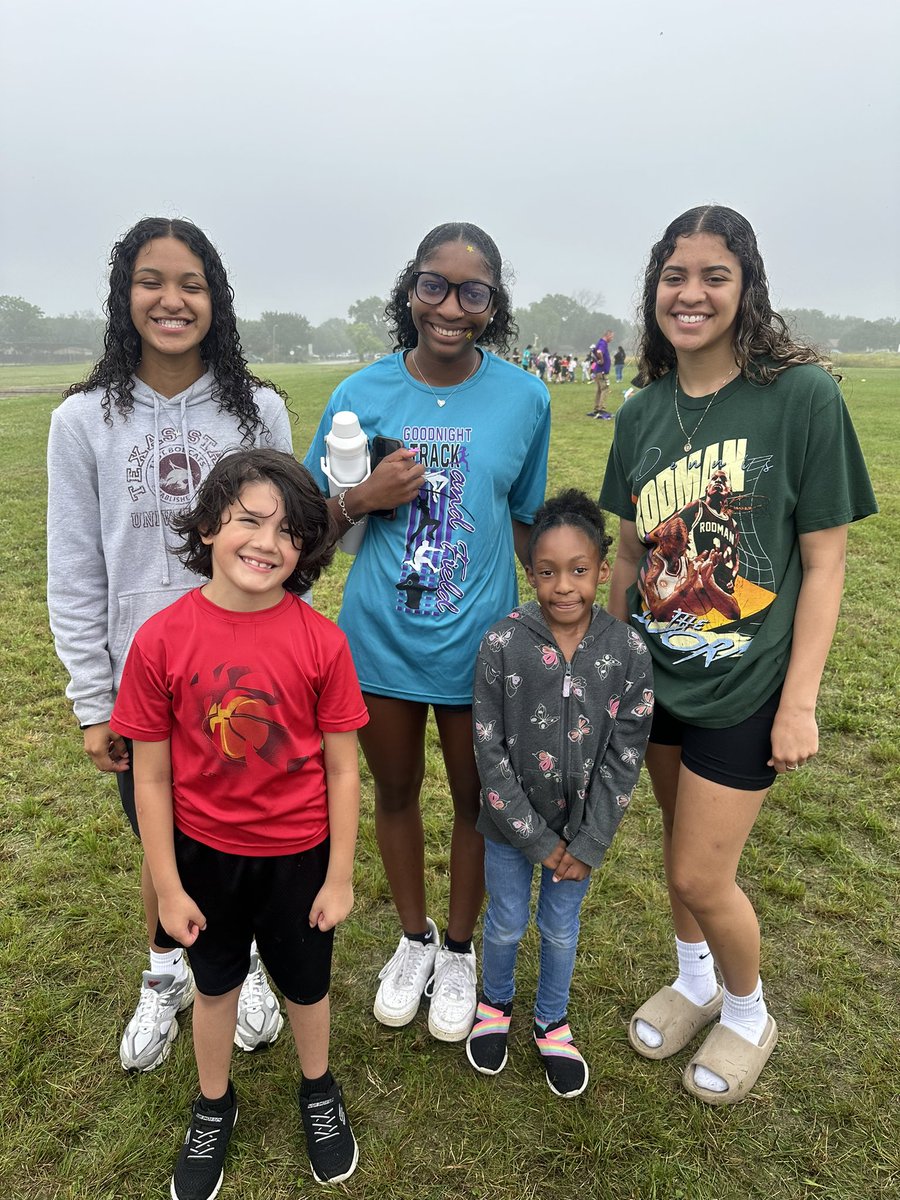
718	584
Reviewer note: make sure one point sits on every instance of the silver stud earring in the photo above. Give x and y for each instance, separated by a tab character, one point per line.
408	305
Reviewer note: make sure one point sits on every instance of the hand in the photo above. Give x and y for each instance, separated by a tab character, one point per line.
570	868
106	750
331	906
795	738
181	918
395	481
551	862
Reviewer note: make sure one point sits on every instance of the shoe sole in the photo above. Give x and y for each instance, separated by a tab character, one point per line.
487	1070
449	1035
338	1178
263	1043
392	1020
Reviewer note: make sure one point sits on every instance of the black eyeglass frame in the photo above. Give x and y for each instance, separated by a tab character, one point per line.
473	312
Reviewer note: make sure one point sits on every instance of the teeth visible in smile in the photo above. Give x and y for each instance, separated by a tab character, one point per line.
171	323
449	332
256	562
691	318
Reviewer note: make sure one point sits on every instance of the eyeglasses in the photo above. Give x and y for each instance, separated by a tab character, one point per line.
473	295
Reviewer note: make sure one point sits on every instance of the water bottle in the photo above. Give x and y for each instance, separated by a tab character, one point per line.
346	464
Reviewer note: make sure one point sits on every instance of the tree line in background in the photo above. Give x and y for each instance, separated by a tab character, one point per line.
563	324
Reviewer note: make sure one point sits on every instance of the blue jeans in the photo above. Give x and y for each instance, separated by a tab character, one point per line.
507	876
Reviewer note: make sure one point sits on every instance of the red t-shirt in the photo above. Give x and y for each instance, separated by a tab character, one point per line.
245	699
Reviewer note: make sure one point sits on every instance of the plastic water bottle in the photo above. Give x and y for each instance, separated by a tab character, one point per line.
346	464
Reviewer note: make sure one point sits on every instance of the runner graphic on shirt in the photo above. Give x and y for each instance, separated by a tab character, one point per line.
434	569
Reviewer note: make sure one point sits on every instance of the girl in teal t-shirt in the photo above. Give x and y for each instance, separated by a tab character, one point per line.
735	473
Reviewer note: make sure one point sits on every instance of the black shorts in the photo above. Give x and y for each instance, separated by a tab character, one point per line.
125	784
736	756
244	896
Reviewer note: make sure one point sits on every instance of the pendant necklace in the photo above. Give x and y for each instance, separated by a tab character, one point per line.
442	400
689	437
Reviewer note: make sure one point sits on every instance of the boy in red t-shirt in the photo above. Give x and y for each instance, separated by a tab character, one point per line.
243	705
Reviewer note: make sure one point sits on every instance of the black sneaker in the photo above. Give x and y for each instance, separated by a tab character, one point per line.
486	1044
330	1143
198	1171
564	1066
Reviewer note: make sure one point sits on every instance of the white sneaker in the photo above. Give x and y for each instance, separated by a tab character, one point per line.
403	979
259	1018
149	1035
453	997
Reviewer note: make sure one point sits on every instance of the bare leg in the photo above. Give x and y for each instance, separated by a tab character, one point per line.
151	908
311	1026
712	824
394	745
664	766
215	1018
467	844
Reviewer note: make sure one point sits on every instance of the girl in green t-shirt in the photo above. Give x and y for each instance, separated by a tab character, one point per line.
735	473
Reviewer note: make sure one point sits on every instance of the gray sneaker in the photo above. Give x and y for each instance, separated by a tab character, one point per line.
259	1018
149	1035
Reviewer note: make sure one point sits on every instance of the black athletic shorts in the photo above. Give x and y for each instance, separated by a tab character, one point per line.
736	756
244	896
125	784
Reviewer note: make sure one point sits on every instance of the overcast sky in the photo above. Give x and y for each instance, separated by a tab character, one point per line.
317	141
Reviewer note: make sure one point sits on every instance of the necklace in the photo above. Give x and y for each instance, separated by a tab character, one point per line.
442	400
689	437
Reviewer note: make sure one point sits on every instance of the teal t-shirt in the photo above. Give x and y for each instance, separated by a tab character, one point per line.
425	586
718	584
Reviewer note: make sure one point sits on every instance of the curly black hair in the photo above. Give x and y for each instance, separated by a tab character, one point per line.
575	508
220	349
763	345
308	518
502	330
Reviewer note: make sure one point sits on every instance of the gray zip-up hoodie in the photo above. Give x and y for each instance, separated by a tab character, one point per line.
559	745
113	490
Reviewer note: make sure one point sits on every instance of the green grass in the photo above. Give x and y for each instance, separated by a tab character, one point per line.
821	868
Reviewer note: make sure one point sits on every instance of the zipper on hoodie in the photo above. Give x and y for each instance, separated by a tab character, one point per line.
566	747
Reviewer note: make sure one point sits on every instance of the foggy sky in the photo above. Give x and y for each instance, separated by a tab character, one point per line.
317	142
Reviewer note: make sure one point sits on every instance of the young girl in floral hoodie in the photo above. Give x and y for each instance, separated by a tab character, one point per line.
563	700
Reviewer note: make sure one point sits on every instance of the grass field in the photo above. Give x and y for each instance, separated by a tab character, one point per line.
822	869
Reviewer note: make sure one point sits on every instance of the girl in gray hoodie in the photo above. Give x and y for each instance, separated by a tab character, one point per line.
563	701
128	449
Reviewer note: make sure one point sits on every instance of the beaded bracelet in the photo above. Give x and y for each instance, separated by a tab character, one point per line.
343	507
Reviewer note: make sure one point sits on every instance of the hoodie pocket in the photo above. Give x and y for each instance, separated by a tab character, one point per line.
133	609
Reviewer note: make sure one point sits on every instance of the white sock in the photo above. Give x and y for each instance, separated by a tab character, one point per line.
745	1015
169	963
696	981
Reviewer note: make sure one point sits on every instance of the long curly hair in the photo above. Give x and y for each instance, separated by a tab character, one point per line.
763	345
220	349
306	511
502	330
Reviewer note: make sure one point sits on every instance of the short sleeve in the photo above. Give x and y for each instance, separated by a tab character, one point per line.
527	492
834	486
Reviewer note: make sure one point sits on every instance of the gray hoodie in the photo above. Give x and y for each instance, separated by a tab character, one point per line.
559	745
113	490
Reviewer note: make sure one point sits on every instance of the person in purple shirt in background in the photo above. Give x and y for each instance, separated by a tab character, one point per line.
600	365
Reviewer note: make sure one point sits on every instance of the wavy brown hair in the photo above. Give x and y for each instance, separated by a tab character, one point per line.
763	344
220	349
306	510
502	330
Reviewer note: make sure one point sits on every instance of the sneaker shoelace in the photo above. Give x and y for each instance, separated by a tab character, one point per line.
203	1142
456	976
405	962
324	1122
148	1004
254	991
